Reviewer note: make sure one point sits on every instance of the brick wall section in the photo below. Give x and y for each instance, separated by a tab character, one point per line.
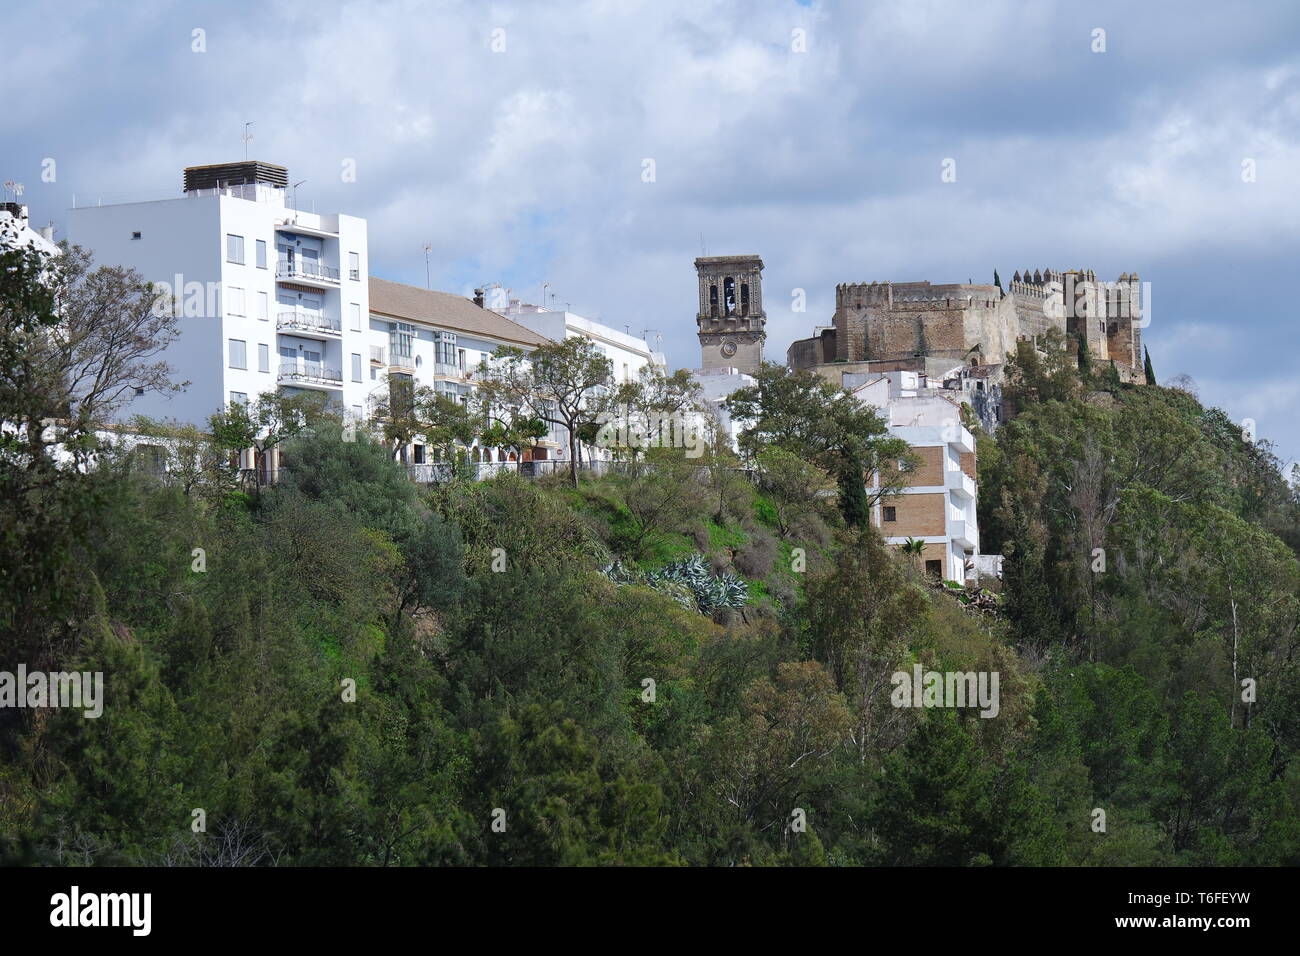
929	466
936	551
919	516
968	465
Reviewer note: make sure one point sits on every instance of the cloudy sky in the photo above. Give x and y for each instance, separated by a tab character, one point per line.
512	137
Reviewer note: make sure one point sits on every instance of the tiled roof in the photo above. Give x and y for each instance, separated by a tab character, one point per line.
454	312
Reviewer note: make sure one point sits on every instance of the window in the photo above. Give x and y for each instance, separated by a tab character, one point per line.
263	357
354	310
238	353
418	455
934	568
399	343
444	348
356	366
135	235
354	266
374	374
890	513
238	398
729	296
152	459
235	303
744	298
235	249
261	253
263	306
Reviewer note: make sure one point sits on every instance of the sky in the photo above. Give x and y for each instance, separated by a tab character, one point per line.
600	146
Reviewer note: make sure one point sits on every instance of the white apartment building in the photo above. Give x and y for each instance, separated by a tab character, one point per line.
269	297
626	353
437	339
938	503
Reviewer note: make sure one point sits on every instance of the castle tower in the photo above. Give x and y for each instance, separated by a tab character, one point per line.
731	319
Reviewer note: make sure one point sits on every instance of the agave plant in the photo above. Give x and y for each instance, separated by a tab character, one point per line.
688	581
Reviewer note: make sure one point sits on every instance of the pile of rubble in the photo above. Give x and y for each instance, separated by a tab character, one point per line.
976	599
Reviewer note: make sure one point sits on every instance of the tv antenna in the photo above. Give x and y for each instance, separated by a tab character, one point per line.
247	138
428	281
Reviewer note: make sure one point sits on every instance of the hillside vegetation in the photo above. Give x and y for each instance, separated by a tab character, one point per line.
355	670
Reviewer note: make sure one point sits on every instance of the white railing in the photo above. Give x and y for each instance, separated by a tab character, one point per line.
311	372
306	269
300	320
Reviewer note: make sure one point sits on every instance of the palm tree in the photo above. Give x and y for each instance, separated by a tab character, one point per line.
914	548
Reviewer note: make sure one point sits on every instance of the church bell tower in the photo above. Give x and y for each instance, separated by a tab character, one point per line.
731	319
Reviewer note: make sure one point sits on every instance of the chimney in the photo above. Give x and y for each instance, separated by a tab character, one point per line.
48	232
478	297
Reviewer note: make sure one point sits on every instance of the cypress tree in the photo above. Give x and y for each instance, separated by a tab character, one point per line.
1146	366
853	496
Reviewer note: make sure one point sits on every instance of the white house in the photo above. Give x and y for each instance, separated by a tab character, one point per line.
937	505
627	353
16	230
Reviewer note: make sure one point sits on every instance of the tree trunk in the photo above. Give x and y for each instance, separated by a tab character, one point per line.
573	455
1236	684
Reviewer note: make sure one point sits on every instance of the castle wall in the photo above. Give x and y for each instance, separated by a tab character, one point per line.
885	321
961	322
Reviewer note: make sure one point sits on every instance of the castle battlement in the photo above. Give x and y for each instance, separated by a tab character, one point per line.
884	321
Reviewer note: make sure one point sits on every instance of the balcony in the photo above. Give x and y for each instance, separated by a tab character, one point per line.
312	325
306	224
377	354
960	484
963	534
444	370
309	375
400	363
307	272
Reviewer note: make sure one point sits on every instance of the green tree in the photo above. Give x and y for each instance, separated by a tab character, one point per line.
560	383
808	416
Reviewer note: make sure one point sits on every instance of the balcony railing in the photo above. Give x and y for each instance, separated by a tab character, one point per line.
313	322
308	269
964	534
377	354
960	483
447	370
310	373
